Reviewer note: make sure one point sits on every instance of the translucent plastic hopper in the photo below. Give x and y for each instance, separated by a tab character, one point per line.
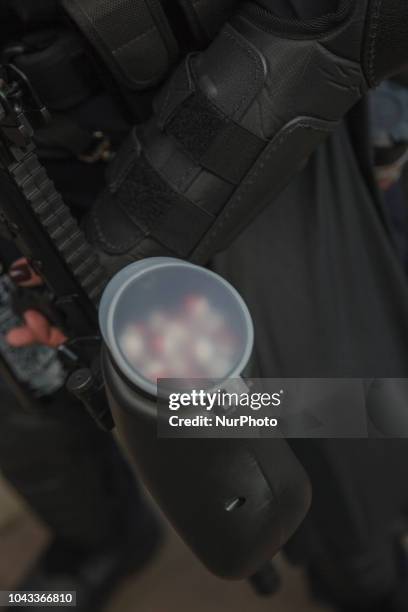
166	318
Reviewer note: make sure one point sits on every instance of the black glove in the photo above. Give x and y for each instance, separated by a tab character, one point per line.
236	122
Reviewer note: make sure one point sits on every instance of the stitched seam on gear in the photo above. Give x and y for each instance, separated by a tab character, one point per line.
93	34
135	39
104	240
126	166
172	89
296	27
180	181
108	53
230	33
245	187
373	40
318	36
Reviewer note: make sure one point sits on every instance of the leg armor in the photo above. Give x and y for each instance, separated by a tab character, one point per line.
236	122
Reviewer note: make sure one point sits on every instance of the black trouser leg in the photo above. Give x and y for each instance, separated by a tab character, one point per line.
68	471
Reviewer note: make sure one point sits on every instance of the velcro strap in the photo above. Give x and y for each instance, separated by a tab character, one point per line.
213	140
159	211
133	38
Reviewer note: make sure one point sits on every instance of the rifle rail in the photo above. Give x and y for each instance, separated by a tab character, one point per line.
59	224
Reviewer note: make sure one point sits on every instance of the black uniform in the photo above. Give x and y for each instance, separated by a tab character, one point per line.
318	267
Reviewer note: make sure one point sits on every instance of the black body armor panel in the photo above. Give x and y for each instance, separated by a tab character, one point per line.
234	124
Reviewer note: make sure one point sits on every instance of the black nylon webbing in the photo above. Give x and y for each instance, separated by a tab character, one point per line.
214	141
159	211
133	38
